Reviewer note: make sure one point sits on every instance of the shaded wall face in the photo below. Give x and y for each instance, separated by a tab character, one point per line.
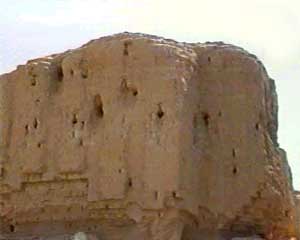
230	166
227	141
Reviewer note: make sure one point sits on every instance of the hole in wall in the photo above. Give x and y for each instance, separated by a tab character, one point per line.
98	106
134	92
12	228
209	59
206	118
129	182
33	80
84	68
74	119
60	74
39	145
35	123
26	129
220	114
84	74
174	194
233	153
160	113
234	170
257	126
287	213
156	195
80	142
1	175
195	121
71	72
125	51
32	75
125	87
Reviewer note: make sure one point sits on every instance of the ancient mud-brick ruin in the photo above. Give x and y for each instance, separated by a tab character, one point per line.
137	137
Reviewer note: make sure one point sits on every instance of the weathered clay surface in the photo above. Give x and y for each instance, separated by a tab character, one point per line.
137	137
297	200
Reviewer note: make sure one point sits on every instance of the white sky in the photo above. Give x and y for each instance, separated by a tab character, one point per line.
268	28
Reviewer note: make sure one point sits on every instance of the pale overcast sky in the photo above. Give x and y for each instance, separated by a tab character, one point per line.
269	29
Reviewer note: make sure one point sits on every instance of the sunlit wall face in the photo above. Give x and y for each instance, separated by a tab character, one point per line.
267	28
